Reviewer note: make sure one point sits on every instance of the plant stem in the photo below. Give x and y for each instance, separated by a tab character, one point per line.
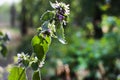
40	74
21	74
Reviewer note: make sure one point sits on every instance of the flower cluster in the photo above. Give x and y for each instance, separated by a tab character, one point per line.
26	60
41	64
22	57
52	26
34	60
62	11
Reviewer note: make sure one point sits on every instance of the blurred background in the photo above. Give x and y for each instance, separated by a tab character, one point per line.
92	51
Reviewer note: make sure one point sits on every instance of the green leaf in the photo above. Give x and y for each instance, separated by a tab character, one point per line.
38	48
36	75
4	50
26	63
17	73
34	66
41	45
60	33
48	15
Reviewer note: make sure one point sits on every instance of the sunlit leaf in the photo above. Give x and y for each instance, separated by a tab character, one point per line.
41	46
17	73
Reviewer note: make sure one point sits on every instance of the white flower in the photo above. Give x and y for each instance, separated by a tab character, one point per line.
35	60
62	5
22	56
41	64
19	55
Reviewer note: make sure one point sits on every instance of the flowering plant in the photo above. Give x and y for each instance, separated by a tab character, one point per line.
52	26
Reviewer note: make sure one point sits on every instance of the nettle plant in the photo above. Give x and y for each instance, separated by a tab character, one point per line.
52	27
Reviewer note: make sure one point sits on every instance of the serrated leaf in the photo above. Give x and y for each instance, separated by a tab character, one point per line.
41	45
36	75
60	33
17	73
48	15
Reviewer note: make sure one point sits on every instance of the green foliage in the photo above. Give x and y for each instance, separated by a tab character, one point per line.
52	26
36	75
4	50
87	53
41	46
60	33
48	15
17	73
34	65
81	51
3	39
